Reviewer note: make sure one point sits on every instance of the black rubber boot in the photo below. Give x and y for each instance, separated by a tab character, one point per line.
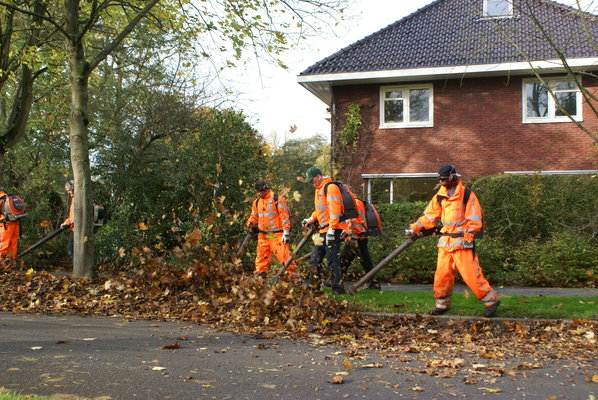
438	311
374	284
339	289
490	311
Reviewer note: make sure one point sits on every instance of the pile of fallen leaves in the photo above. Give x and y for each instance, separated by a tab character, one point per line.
245	303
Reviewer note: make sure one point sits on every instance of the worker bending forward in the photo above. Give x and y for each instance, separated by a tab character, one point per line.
270	216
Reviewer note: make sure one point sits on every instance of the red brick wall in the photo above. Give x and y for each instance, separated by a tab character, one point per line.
477	127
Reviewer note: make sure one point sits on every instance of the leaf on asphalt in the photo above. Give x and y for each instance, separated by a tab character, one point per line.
377	365
417	389
36	348
62	341
347	364
528	365
337	380
491	390
268	386
89	339
489	355
171	346
595	378
158	368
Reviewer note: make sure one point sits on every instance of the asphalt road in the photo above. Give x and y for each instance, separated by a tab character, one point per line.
111	358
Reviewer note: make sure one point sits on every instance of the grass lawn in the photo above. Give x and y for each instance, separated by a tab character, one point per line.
550	307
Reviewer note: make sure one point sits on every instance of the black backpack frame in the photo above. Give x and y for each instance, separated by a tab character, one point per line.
349	208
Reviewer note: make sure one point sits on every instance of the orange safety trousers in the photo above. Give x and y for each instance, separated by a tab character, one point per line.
269	245
464	261
9	239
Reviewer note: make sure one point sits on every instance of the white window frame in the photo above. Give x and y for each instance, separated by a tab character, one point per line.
406	123
551	118
509	14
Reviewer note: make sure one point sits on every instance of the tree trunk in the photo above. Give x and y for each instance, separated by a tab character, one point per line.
83	260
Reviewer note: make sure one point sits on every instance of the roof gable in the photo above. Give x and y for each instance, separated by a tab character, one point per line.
448	33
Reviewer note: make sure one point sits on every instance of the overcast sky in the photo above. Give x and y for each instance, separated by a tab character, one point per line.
274	100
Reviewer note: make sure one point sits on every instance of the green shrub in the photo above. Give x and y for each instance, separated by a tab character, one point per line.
519	207
564	260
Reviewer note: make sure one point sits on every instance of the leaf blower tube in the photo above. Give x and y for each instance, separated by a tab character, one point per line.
352	289
44	240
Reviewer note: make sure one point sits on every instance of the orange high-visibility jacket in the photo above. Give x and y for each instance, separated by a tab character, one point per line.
356	227
328	207
270	217
70	220
455	218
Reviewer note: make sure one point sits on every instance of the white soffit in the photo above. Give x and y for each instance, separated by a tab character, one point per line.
319	84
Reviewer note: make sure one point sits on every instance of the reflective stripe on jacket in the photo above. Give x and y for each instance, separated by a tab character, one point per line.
455	218
268	216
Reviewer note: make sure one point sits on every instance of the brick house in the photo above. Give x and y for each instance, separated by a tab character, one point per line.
457	82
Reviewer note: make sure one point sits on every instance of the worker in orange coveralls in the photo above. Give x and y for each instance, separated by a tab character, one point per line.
9	234
328	214
70	220
271	217
456	246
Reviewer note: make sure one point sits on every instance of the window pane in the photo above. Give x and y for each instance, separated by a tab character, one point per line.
380	191
537	100
419	105
394	95
393	111
566	85
413	189
496	8
567	100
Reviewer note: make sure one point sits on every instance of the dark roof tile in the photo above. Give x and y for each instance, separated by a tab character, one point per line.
451	32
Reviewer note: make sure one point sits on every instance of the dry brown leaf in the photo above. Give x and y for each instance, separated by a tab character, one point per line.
347	364
337	380
171	346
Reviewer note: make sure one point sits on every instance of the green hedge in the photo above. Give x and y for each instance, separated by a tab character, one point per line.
520	207
539	231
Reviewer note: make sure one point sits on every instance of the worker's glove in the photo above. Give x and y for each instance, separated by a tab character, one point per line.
344	236
286	237
307	221
330	235
467	245
251	228
412	234
63	225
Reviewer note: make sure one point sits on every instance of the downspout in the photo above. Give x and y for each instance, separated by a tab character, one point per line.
332	132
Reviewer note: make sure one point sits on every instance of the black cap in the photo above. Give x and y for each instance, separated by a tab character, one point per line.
261	186
447	170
